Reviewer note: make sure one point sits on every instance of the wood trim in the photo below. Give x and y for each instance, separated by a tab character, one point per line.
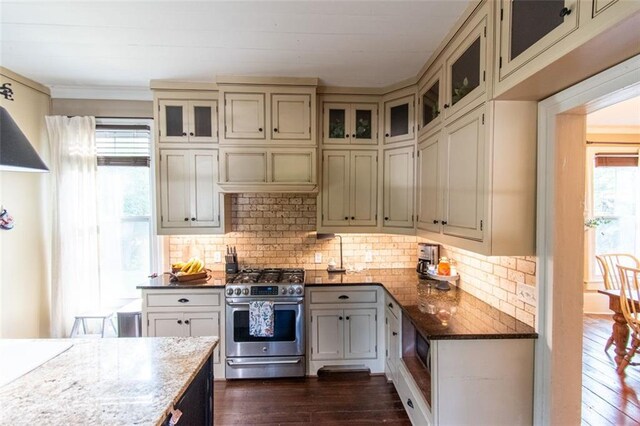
181	85
265	81
24	80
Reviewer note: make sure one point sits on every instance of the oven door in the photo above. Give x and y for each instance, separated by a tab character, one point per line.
288	336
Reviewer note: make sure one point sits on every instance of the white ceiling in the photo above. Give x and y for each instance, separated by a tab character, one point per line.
623	117
121	45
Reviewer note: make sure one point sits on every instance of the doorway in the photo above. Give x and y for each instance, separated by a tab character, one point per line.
561	236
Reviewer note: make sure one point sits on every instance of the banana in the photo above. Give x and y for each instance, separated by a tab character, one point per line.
177	265
188	265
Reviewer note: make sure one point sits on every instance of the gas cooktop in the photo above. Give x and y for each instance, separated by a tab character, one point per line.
269	282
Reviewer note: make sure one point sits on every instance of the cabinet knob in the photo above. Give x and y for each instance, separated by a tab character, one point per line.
353	135
191	134
275	130
346	218
410	403
390	305
346	135
446	106
565	12
340	318
444	222
186	219
386	135
353	218
187	322
386	218
193	219
184	133
260	129
347	318
394	333
179	321
435	221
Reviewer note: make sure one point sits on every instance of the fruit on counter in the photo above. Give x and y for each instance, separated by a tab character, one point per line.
193	266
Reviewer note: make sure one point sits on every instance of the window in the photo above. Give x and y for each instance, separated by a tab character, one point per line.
613	200
126	242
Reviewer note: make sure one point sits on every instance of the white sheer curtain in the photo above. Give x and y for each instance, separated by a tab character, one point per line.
75	285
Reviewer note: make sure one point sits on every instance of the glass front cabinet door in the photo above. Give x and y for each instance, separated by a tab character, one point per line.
528	28
346	123
466	65
398	121
188	121
429	103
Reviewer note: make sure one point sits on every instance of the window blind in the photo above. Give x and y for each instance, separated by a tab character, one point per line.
123	145
616	160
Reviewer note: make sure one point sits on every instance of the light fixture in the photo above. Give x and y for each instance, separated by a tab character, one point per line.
16	153
331	236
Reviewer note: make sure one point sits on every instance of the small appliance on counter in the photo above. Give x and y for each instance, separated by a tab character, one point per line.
428	255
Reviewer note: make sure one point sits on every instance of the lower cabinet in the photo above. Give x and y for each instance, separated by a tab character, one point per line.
392	340
186	313
343	329
196	404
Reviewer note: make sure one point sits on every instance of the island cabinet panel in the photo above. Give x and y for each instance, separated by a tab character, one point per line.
196	404
344	329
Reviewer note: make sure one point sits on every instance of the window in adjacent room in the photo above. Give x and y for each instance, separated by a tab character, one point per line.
126	242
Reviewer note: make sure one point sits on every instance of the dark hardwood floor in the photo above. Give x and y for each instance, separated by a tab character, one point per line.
606	399
348	398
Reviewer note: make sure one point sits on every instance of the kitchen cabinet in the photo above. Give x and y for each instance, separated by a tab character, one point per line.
528	28
398	187
465	67
186	313
343	334
189	199
476	183
399	123
343	328
290	117
350	123
256	169
244	116
188	121
349	188
430	102
196	404
392	335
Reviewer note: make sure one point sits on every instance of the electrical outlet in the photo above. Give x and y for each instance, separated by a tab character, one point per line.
526	293
318	258
217	257
368	256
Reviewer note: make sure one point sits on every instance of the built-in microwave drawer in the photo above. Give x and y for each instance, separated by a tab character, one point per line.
345	296
168	298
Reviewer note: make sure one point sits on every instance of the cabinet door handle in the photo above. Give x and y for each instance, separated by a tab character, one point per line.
346	136
394	333
444	222
187	322
191	134
343	297
179	321
183	300
353	218
260	129
275	130
410	403
340	318
565	12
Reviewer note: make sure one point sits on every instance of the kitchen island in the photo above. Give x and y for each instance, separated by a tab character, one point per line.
114	381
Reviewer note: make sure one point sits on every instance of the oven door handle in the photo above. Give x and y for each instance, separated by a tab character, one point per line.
231	362
275	303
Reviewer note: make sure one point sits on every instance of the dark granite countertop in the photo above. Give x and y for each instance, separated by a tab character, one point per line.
437	315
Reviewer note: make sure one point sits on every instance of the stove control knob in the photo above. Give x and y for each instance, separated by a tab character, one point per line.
238	292
284	290
229	291
245	291
291	290
299	290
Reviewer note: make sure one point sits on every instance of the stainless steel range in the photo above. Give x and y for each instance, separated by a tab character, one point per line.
256	357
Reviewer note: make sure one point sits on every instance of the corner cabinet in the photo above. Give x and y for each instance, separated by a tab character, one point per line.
349	188
188	199
399	125
186	313
343	328
476	180
398	187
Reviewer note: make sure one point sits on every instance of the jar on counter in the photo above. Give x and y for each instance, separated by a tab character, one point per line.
444	267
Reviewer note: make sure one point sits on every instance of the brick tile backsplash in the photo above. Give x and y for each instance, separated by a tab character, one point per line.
278	230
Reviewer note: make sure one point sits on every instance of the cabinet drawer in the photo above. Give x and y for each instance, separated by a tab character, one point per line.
392	306
410	401
349	296
183	299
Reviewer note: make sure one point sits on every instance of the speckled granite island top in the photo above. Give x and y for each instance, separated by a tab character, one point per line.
115	381
437	315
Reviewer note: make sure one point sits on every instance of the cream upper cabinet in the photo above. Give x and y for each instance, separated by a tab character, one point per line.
428	191
464	173
290	116
244	116
476	180
350	123
349	188
528	28
465	68
398	187
430	103
188	121
189	200
399	123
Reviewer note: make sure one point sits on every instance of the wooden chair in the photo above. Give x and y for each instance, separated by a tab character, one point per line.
608	264
630	289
